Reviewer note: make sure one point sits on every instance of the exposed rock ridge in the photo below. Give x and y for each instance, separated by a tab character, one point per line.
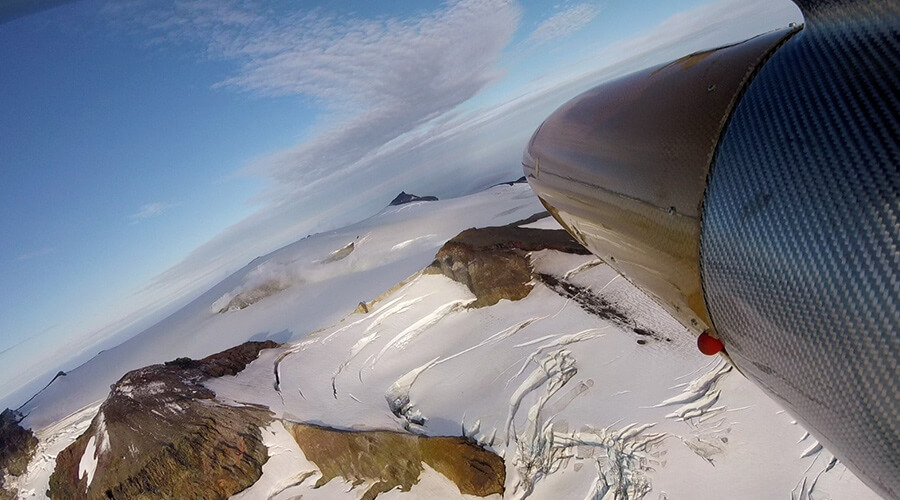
162	434
492	261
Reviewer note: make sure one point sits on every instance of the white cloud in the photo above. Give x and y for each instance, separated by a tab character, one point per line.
150	210
380	77
383	80
35	254
564	23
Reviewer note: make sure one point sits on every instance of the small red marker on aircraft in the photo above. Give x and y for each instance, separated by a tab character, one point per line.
708	344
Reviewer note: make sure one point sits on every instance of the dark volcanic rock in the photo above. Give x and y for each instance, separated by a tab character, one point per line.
404	197
520	180
162	434
493	262
598	306
17	445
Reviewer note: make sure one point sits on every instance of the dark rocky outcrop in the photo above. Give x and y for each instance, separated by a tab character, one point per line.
394	459
162	434
493	262
520	180
17	446
405	197
599	306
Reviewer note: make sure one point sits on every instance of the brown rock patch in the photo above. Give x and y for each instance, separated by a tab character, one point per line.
492	261
395	460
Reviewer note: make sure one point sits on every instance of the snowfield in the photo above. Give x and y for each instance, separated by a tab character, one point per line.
314	294
577	406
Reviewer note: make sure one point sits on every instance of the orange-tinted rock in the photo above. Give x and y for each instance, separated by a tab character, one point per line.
391	460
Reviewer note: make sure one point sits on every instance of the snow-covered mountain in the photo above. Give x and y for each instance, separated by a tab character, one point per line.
419	358
404	198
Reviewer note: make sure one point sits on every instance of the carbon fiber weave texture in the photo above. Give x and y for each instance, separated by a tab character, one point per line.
800	238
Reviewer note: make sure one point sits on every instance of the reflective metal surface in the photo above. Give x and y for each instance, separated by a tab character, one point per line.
789	252
623	167
801	233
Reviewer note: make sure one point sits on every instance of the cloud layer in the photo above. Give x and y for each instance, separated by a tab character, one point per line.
150	210
381	78
394	86
564	23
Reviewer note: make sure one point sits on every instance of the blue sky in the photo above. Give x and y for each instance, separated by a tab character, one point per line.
149	148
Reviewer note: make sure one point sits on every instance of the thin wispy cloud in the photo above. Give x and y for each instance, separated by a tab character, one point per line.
564	23
380	77
35	254
27	339
150	210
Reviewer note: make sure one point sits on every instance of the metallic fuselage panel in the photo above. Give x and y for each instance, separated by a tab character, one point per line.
754	190
623	167
801	233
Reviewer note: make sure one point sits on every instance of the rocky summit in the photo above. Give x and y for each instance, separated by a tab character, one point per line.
492	261
405	197
162	434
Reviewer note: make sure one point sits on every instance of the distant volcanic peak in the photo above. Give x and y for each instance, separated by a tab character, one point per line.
405	197
520	180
